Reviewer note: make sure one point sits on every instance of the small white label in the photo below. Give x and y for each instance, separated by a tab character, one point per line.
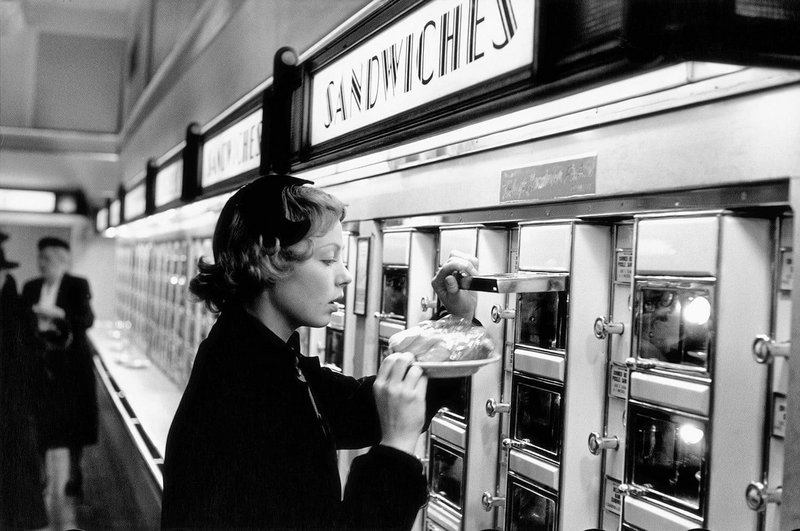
618	381
779	416
624	269
613	498
787	269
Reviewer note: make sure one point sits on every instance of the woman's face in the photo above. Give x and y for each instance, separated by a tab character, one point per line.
53	262
307	296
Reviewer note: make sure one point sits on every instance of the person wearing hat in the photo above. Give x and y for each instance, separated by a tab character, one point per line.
59	311
253	442
21	500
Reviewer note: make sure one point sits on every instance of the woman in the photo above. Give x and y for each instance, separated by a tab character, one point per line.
60	312
253	443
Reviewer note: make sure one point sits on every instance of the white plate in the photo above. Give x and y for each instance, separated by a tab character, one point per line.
453	369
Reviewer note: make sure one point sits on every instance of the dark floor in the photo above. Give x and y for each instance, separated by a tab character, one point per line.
118	494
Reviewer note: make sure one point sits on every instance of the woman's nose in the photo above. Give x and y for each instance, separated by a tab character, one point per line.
345	278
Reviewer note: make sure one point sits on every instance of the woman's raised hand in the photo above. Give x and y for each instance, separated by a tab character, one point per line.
458	302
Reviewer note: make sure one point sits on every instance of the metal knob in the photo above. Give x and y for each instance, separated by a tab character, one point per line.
489	501
427	304
636	363
598	443
509	443
493	407
603	327
766	349
498	313
630	490
758	495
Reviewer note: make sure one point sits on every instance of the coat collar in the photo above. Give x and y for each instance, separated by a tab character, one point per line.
276	352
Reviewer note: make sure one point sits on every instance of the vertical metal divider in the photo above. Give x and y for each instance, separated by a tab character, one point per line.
790	507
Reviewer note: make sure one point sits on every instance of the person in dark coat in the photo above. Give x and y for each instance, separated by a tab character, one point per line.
253	442
21	500
59	309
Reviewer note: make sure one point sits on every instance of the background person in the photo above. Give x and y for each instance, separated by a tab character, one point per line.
21	500
253	443
59	309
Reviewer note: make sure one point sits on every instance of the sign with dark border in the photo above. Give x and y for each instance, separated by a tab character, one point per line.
416	68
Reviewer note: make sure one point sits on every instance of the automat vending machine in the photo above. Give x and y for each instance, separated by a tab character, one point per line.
462	435
554	376
693	427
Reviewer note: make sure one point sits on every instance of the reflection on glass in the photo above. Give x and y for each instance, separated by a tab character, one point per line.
530	510
334	347
447	475
669	456
542	319
537	415
395	291
674	325
455	405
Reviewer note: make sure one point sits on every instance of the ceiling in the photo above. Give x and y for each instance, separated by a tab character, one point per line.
61	67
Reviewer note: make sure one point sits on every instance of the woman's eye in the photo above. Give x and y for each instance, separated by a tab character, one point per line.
329	261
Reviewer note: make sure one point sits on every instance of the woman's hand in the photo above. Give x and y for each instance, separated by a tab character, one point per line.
399	390
458	302
50	312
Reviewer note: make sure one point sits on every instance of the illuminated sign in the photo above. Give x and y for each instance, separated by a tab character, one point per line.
234	151
441	48
169	181
27	200
134	202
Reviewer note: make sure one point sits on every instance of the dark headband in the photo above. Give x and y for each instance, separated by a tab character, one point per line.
261	206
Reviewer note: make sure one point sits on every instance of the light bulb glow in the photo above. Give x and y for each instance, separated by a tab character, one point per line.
697	311
690	434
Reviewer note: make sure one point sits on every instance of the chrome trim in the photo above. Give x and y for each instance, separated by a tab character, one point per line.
682	395
647	516
449	432
540	364
539	471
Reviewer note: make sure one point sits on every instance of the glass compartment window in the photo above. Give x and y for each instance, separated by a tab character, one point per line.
395	291
447	475
542	319
530	509
537	415
675	324
456	406
669	456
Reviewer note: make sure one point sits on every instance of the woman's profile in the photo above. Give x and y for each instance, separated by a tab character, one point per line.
253	443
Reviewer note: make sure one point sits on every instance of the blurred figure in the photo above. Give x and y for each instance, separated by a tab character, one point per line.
21	500
59	311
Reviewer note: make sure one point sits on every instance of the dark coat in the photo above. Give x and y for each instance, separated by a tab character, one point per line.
246	449
21	500
67	413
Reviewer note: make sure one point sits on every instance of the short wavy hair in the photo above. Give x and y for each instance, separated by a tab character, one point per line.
246	260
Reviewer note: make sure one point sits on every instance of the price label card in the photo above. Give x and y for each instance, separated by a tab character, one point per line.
779	416
613	499
787	269
618	381
624	266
